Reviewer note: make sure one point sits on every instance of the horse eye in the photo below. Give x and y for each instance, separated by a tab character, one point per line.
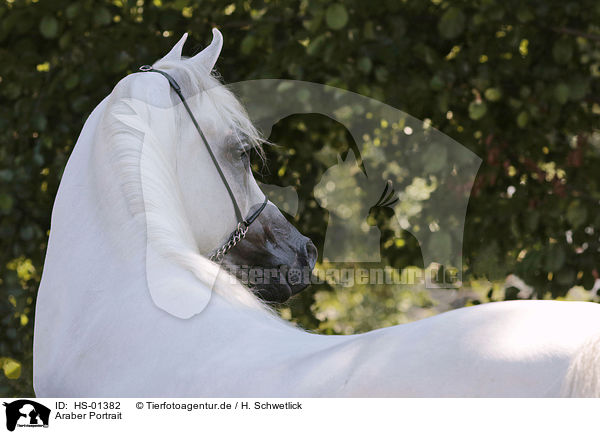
245	156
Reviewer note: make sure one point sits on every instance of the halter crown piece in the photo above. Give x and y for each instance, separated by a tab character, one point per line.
243	223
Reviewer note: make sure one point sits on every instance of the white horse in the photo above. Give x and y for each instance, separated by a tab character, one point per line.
129	305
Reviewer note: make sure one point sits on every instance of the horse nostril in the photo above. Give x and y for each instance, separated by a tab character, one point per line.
311	253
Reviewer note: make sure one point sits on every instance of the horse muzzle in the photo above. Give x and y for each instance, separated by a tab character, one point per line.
274	259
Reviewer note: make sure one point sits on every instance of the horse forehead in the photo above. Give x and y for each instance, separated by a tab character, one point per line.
213	123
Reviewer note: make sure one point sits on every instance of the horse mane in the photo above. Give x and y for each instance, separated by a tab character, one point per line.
132	143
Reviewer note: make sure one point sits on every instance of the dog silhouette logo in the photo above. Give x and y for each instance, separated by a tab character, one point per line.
26	413
349	195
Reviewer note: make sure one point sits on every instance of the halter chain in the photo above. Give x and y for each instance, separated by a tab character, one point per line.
235	237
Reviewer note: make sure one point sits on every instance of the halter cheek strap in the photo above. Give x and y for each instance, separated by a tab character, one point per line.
242	227
175	86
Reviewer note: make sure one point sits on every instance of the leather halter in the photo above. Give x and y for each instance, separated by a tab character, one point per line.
243	223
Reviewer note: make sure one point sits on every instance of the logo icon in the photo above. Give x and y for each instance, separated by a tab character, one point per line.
26	413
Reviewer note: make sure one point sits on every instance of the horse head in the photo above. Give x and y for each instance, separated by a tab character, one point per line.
271	244
181	145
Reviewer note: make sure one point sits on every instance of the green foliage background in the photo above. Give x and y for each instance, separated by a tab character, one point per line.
516	82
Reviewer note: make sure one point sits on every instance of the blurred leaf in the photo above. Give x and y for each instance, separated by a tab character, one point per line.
477	110
336	16
576	214
315	44
561	93
11	368
555	258
493	94
532	220
566	277
6	202
247	44
102	17
562	51
578	88
12	90
452	23
49	27
364	64
524	14
39	122
381	74
72	81
523	119
436	83
72	10
368	30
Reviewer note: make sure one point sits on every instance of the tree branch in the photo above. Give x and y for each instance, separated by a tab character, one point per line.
574	32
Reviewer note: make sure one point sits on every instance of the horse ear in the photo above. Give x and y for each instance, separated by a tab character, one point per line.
350	158
207	58
175	53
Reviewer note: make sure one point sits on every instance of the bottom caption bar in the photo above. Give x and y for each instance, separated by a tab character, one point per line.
264	415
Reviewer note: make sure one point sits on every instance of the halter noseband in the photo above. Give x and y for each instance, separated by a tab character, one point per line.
242	227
